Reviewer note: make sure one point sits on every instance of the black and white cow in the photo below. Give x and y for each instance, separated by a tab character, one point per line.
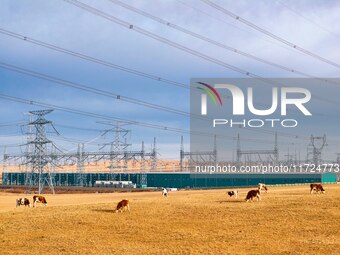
233	193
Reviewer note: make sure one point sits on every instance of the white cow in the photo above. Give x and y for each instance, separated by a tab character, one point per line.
164	192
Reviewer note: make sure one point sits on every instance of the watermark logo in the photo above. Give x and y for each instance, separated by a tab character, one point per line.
287	97
249	104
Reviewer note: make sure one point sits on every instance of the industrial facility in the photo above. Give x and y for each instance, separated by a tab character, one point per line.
41	159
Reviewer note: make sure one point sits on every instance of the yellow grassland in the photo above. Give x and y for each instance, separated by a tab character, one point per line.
288	220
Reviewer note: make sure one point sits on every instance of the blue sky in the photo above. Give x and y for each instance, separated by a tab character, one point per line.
317	29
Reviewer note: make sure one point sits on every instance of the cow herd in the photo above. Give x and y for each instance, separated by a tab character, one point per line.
256	193
124	205
26	202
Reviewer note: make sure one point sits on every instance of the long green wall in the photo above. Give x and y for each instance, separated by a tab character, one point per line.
176	180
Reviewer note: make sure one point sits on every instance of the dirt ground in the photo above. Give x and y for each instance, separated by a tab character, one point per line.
288	220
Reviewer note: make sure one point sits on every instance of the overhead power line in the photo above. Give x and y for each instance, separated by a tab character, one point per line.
62	82
299	14
11	135
270	34
10	145
96	91
79	128
93	115
92	59
212	16
131	122
162	39
211	41
133	71
176	45
59	79
12	123
56	80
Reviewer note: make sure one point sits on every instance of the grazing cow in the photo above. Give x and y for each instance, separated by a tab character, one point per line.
252	194
262	186
39	199
317	188
123	205
233	193
23	201
164	192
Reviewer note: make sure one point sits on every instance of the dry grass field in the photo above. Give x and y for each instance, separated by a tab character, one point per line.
288	220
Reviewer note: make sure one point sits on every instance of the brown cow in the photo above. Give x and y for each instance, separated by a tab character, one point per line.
123	205
23	201
252	194
39	199
316	187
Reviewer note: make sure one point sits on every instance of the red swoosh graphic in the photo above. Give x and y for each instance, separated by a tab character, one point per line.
213	90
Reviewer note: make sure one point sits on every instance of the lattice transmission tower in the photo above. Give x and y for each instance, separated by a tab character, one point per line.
39	159
118	147
314	150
